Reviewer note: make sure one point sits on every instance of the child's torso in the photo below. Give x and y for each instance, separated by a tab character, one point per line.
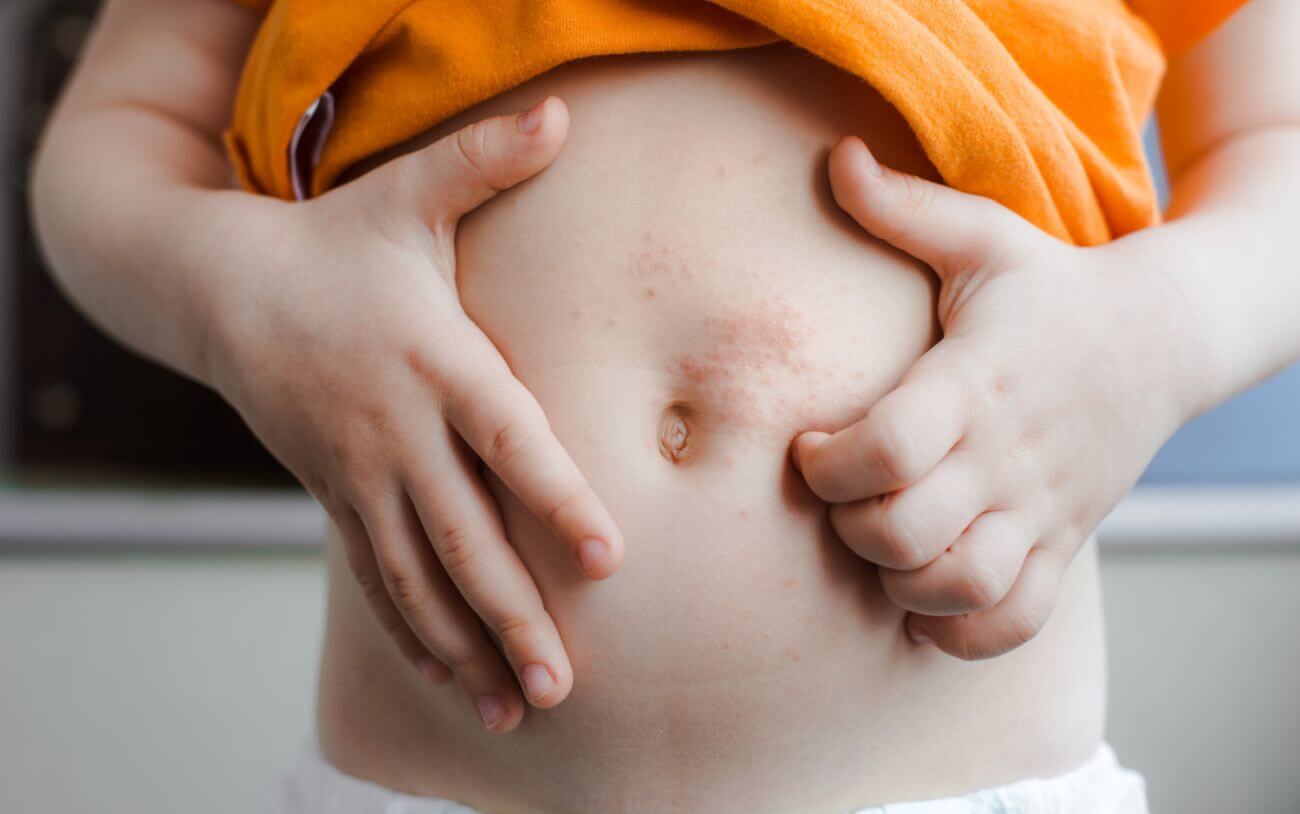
682	296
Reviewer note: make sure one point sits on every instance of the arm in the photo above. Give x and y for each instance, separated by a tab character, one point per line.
129	163
334	328
1063	370
1229	115
131	160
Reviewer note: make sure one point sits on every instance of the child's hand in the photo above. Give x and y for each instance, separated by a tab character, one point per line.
342	342
976	480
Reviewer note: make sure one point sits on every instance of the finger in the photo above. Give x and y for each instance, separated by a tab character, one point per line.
975	573
506	428
360	557
437	614
464	526
1005	626
440	182
909	528
901	438
949	230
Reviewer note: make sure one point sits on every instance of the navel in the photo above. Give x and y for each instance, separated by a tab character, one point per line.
675	433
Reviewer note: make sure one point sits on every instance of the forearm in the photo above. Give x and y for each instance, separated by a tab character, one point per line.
1230	253
125	186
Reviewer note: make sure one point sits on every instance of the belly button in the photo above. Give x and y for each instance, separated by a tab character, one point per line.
675	434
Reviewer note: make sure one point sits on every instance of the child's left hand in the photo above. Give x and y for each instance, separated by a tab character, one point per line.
974	482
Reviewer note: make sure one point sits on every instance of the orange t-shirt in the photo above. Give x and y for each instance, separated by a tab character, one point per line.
1038	104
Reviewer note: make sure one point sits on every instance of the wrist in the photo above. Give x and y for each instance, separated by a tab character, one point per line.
1166	328
217	272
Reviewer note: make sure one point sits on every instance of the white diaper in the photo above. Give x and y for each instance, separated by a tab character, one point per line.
1100	786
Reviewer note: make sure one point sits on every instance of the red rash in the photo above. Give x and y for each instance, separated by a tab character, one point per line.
744	355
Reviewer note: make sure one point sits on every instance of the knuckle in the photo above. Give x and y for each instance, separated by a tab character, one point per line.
895	453
408	592
456	551
391	623
356	454
510	439
919	196
972	649
977	587
429	349
422	361
512	628
472	147
371	583
462	660
900	540
345	452
561	506
377	418
434	670
846	526
1021	627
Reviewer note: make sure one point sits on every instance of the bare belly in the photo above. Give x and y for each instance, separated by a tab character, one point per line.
682	296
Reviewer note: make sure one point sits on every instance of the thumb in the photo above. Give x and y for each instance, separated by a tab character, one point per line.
459	172
950	231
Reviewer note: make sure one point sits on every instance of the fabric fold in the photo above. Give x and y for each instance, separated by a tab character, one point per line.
1038	104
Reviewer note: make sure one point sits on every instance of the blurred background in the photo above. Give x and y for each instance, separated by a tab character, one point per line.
161	581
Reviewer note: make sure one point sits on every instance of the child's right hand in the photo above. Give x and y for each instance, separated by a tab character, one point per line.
343	344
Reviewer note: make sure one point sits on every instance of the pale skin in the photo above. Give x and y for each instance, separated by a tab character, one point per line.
972	484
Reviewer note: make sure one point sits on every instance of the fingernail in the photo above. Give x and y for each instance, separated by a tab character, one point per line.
531	121
490	710
920	636
591	553
537	681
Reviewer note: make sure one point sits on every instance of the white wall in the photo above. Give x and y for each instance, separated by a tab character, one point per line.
147	683
1205	667
152	682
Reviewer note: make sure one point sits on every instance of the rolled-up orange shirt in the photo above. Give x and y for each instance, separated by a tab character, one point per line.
1038	104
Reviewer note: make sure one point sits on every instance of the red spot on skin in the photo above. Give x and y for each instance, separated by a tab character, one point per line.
576	313
656	260
743	514
651	294
793	654
764	335
723	172
693	371
610	322
788	582
747	353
